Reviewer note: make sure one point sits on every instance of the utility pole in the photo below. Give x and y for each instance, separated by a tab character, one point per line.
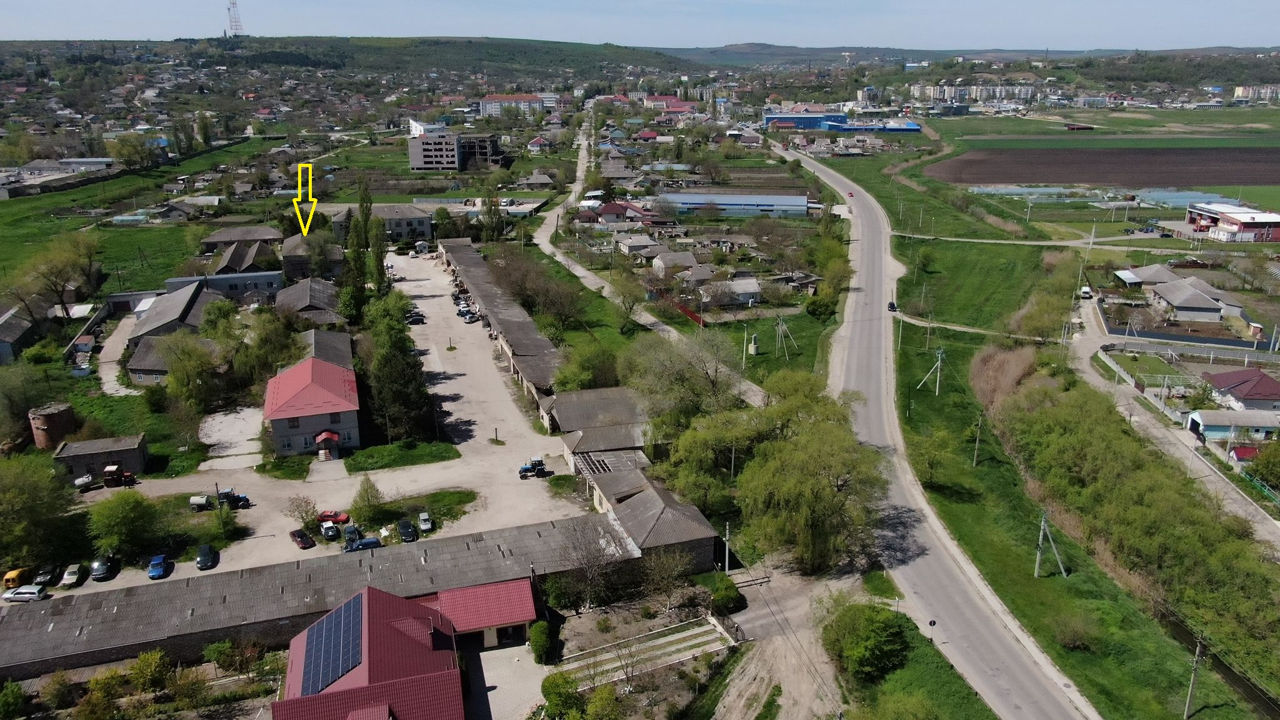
1195	669
976	437
937	368
1044	533
726	546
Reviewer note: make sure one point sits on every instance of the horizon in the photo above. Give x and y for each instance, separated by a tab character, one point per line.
927	25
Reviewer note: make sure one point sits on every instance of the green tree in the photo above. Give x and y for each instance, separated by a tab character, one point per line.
540	642
590	365
33	504
189	687
127	523
222	654
95	706
271	345
13	701
443	224
867	641
302	510
366	506
604	704
150	670
58	692
664	572
1266	467
192	370
205	130
560	690
378	256
108	684
131	151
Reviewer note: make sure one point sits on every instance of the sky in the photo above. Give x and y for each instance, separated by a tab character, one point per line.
917	24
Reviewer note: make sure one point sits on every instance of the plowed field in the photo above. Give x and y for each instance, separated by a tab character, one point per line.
1126	167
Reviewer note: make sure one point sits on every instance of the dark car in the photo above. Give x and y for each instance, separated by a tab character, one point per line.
408	533
368	543
352	534
206	557
48	575
1166	235
103	568
893	306
301	539
416	320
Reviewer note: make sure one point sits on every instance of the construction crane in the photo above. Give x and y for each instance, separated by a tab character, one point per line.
233	17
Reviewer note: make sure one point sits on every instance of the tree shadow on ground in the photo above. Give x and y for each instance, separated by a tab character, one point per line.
895	537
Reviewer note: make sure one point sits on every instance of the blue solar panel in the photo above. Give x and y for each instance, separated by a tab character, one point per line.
333	646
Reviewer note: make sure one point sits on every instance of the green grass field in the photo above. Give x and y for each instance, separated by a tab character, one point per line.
928	676
1224	122
805	330
381	457
978	285
1266	197
600	320
30	222
1144	365
1077	141
1126	665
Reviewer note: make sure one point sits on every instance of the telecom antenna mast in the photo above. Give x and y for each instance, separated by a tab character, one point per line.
233	16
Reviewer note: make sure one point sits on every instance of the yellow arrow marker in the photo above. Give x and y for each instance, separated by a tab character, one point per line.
304	224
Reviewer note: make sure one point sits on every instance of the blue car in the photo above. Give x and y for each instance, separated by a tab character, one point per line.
158	568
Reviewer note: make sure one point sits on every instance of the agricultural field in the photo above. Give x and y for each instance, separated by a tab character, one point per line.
1266	197
1125	167
1236	122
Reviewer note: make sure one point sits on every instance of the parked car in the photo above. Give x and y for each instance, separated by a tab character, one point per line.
329	531
1166	235
206	557
368	543
158	568
85	482
103	568
424	522
470	318
301	539
333	516
893	306
26	593
73	576
351	534
464	310
408	533
47	575
416	320
413	254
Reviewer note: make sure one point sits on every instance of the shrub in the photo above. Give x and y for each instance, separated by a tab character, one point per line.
94	706
150	670
58	693
821	306
1077	631
108	684
867	641
563	593
45	351
560	690
725	597
540	642
189	688
647	612
156	398
604	625
13	699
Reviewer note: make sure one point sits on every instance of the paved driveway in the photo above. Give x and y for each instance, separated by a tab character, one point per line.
476	397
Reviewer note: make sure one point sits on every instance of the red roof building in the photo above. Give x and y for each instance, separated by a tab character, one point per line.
382	656
376	655
1246	389
309	404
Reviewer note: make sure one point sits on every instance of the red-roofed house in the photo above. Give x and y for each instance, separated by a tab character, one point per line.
646	136
537	145
312	406
375	656
1242	456
1246	389
502	611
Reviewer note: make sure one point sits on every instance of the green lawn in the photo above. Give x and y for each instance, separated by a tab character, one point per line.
30	222
291	467
562	485
445	506
600	320
878	584
806	331
911	211
1127	666
1144	365
978	285
142	258
189	530
1224	122
381	457
1266	197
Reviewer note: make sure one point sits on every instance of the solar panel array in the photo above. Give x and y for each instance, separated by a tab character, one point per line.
333	646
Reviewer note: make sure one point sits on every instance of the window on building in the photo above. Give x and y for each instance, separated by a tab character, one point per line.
140	377
293	423
335	418
234	286
287	444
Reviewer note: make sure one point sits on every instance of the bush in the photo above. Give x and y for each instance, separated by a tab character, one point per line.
560	690
58	693
821	306
604	625
563	593
647	612
540	642
1077	631
108	684
867	641
725	597
156	398
150	670
45	351
13	700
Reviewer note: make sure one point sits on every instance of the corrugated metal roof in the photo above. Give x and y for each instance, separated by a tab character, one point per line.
485	606
311	387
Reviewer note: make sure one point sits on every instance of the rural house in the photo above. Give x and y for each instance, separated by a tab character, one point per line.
182	309
91	456
1233	425
1245	389
311	298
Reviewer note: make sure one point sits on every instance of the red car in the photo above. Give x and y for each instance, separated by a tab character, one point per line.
334	516
850	194
301	539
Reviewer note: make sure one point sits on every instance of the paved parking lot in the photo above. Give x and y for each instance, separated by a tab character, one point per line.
476	398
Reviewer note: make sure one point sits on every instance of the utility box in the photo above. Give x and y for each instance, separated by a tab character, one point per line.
754	346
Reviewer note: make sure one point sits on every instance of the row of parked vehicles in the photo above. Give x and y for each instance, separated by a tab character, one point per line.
466	309
27	585
337	526
112	476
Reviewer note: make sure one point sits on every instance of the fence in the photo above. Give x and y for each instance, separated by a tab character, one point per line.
68	352
691	315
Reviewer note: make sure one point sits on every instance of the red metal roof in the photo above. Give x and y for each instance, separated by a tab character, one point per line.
312	387
423	697
1244	452
1246	384
485	606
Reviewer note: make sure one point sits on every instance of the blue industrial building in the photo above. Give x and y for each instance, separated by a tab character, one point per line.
893	126
804	121
740	205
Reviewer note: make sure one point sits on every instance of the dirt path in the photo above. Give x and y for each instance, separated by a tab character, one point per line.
787	649
109	359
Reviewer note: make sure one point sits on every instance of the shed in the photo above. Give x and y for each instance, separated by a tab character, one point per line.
1232	425
91	456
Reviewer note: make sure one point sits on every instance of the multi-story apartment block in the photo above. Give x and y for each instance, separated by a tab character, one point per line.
492	105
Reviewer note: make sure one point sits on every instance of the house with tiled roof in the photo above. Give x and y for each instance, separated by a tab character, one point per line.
256	256
1245	389
313	406
375	656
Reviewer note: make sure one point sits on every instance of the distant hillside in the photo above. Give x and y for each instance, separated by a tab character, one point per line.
761	54
486	55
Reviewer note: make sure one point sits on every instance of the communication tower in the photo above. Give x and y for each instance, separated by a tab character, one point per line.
233	17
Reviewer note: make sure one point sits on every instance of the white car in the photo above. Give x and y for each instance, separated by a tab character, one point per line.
424	522
73	576
413	254
26	593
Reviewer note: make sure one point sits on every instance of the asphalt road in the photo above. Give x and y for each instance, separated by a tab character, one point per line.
971	626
